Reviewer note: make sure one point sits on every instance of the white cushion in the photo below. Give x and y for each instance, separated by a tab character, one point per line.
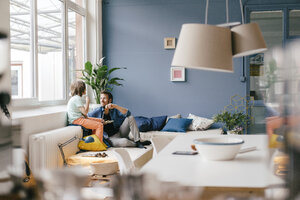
199	123
174	116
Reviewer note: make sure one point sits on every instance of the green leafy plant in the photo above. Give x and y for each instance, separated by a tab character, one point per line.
233	121
99	79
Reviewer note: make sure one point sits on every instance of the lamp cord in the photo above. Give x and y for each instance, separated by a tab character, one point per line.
206	11
227	16
242	13
60	146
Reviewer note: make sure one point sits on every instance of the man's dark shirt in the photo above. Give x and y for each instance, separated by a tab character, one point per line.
114	114
109	128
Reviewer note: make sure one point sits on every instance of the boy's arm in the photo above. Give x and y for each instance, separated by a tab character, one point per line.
85	109
82	110
87	105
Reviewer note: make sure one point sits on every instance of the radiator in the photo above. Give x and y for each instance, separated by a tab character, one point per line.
44	152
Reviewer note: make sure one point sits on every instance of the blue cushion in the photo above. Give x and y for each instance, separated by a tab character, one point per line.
177	125
216	125
158	122
144	124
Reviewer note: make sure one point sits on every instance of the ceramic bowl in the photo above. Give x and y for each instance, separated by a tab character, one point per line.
218	148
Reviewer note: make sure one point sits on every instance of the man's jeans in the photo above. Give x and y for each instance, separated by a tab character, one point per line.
127	135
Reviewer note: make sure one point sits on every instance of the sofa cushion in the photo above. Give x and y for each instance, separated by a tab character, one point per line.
144	124
150	124
91	143
177	125
199	123
174	116
158	122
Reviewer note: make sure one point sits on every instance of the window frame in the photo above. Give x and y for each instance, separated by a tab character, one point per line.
66	5
285	40
285	23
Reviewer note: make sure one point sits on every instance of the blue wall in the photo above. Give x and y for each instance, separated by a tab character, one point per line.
133	34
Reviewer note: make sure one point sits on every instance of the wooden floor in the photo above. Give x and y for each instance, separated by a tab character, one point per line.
218	193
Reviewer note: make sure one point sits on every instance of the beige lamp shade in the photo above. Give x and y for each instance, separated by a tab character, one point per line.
4	48
203	46
247	39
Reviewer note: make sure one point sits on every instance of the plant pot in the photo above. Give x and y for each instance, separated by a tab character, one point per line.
233	133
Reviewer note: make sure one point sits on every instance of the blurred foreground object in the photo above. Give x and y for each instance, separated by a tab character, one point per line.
146	186
282	88
62	183
5	130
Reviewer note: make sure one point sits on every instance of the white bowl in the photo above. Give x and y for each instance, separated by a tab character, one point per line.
219	148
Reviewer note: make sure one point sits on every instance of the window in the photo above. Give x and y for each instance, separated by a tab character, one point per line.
76	45
47	46
270	23
20	23
50	50
279	24
79	2
294	22
17	80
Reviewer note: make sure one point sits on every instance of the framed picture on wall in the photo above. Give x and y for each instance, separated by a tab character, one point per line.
177	74
16	80
169	43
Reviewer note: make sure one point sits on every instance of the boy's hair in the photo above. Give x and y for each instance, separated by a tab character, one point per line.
77	88
110	96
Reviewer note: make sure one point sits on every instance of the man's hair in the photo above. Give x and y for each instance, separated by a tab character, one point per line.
110	96
77	88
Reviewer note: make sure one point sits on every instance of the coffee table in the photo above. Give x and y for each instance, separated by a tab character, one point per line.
247	172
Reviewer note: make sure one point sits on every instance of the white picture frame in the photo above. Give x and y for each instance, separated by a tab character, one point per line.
17	80
169	43
177	74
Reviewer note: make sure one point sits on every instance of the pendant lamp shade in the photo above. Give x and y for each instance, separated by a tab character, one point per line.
204	46
3	53
247	39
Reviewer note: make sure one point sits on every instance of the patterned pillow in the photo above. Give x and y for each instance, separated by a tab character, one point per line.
174	117
199	123
91	143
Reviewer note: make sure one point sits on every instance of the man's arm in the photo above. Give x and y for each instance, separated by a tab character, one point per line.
95	113
120	108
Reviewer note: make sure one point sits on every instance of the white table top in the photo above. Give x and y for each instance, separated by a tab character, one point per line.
248	170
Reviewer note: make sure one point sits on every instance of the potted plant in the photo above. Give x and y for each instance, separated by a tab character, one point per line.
99	79
234	122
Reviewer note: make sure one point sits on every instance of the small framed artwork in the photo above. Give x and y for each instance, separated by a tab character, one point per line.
177	74
169	43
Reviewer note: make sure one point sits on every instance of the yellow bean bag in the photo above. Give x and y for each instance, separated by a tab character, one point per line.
91	143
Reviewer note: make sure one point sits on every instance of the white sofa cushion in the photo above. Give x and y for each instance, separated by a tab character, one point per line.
199	123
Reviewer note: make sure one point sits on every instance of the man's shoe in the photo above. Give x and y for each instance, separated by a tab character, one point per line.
146	142
140	145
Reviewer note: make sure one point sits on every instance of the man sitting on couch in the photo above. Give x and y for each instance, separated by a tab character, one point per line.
118	123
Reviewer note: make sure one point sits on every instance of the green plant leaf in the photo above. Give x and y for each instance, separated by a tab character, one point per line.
232	120
114	81
98	78
88	67
113	69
